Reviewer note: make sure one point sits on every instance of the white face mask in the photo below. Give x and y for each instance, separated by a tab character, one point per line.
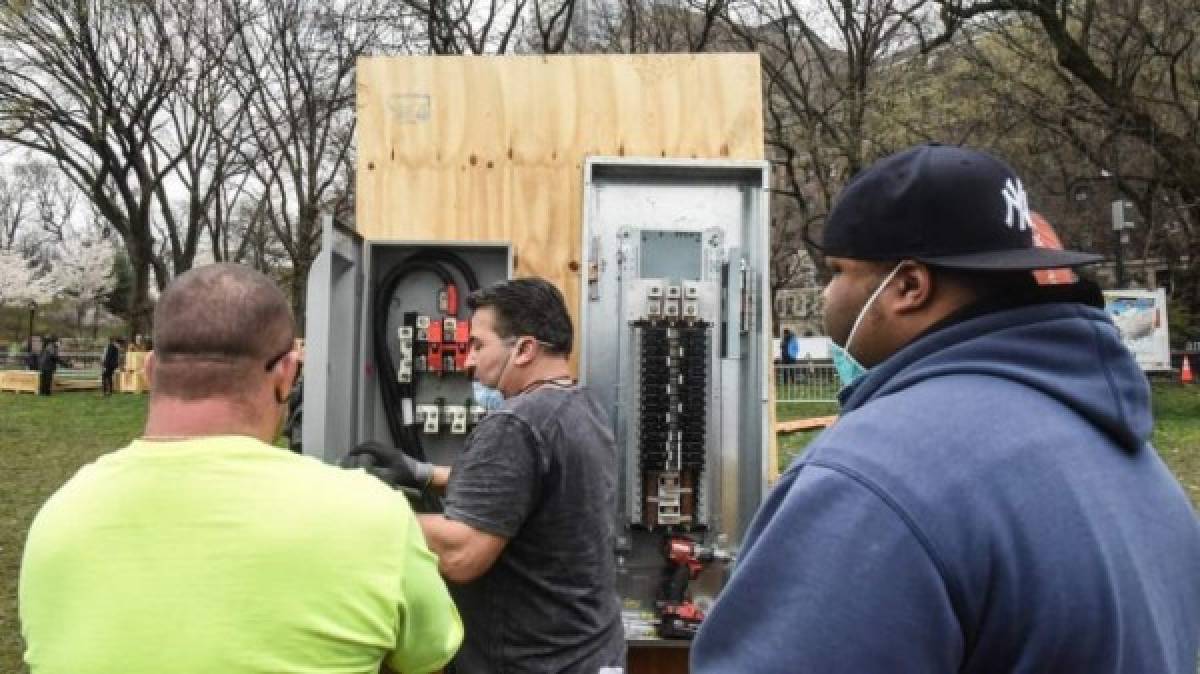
486	397
848	368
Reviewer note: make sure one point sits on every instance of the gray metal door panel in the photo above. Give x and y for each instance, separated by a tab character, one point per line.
331	359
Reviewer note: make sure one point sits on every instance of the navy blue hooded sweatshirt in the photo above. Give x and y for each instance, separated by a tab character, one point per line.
988	502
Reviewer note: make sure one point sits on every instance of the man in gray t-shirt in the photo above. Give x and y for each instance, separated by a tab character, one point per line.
526	539
541	474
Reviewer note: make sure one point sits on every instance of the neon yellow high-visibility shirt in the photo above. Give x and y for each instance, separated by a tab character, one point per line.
227	555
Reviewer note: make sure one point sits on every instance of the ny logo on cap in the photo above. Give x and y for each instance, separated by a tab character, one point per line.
1015	204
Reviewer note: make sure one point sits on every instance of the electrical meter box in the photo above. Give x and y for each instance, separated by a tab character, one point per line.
675	346
386	341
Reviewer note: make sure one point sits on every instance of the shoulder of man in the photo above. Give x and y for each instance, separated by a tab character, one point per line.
544	403
508	420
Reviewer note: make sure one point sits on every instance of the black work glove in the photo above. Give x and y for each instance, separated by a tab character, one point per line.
389	464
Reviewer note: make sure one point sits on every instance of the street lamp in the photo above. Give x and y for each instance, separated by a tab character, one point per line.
32	311
1122	219
1123	216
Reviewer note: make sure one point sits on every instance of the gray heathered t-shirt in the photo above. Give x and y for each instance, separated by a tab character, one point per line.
541	472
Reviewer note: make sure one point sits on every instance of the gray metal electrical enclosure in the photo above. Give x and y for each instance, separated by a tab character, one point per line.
675	345
343	405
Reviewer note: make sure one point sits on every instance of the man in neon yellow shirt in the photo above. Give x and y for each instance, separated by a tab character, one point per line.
201	547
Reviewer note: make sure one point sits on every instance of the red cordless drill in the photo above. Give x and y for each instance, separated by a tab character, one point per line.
679	618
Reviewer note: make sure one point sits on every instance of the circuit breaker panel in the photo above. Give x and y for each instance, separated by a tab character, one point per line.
676	252
672	345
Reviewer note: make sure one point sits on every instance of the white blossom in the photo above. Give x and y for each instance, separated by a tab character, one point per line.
83	269
20	282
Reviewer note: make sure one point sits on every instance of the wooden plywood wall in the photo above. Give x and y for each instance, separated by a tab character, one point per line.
492	148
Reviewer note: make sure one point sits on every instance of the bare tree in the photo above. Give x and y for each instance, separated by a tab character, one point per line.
37	206
94	86
14	207
652	27
829	71
1132	75
296	64
470	26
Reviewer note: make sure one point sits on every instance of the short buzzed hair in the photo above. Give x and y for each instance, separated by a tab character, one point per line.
215	329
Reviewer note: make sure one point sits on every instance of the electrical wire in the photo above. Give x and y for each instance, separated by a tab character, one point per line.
398	397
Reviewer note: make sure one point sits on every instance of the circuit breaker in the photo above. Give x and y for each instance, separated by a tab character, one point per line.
677	252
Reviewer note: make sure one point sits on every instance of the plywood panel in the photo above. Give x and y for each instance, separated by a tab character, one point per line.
492	148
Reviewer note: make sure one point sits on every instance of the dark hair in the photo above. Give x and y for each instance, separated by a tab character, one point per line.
528	306
1008	287
989	284
214	328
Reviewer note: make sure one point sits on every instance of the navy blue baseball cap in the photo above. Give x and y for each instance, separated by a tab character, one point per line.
946	206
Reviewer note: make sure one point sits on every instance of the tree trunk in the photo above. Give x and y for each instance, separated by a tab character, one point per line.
139	296
299	289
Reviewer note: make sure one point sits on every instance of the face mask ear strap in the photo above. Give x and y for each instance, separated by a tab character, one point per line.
507	360
870	300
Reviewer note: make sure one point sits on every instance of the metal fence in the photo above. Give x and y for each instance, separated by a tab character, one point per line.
807	382
85	360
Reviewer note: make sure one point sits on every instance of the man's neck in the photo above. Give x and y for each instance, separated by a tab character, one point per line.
544	370
173	419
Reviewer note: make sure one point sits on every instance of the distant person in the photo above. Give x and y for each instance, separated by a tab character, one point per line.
48	364
31	356
112	360
787	347
989	500
202	547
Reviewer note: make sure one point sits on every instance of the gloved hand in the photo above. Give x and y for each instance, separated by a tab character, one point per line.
389	464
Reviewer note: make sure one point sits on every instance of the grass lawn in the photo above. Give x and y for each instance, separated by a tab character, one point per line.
43	441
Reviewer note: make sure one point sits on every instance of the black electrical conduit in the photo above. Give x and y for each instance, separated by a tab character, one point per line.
395	394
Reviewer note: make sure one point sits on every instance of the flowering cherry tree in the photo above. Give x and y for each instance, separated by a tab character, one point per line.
82	273
19	281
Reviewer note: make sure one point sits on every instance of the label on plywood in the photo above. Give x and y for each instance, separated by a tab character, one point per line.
409	108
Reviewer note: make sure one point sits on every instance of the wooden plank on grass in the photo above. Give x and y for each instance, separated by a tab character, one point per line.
797	425
26	381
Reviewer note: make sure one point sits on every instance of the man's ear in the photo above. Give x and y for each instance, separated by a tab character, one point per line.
912	288
524	352
285	375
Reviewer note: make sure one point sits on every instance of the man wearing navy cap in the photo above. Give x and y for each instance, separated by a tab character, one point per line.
989	500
